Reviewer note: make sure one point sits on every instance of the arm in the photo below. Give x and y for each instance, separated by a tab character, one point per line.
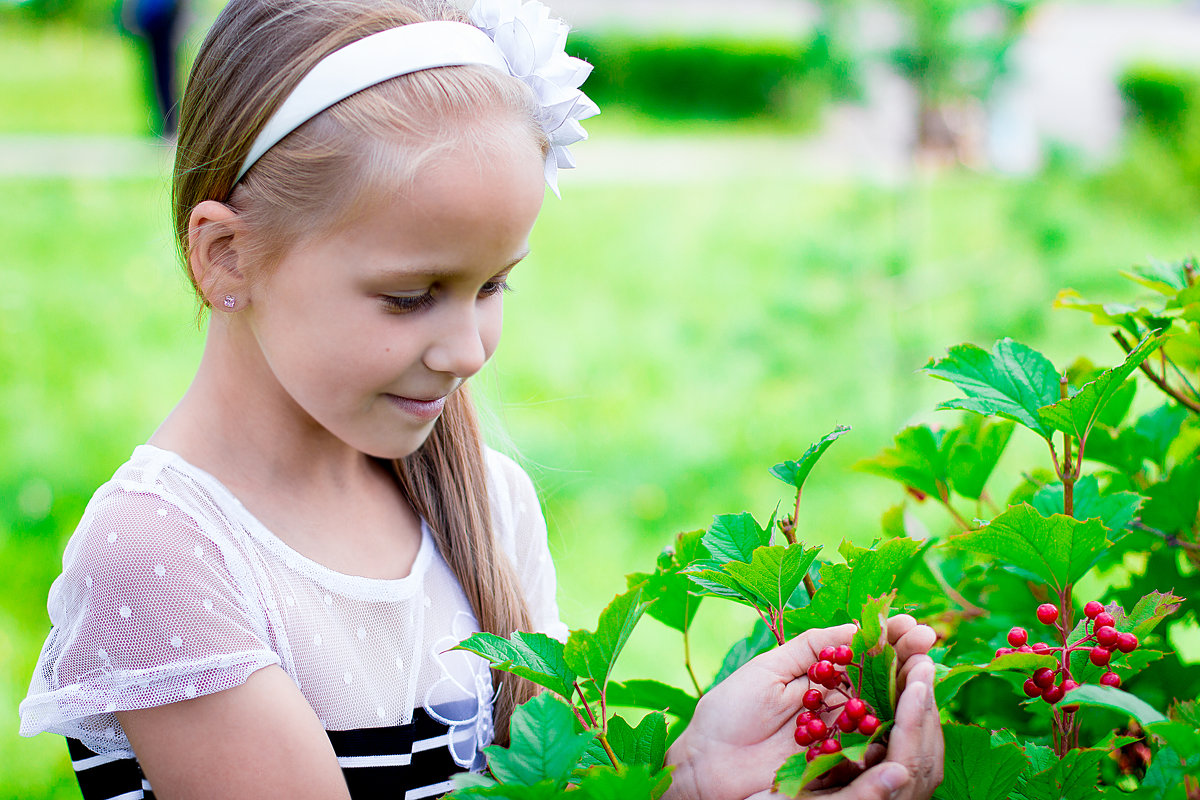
259	739
742	730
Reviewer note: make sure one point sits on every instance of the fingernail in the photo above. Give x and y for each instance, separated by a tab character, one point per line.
893	776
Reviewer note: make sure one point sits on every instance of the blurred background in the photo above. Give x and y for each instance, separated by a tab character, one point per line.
787	208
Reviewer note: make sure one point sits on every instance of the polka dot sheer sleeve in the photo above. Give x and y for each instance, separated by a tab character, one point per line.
152	607
522	530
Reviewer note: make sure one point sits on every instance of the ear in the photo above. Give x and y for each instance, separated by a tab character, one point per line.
216	239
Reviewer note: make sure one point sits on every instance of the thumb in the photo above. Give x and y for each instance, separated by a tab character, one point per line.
792	659
881	782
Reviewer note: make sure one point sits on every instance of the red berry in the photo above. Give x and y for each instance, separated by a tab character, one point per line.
1126	642
843	654
856	708
804	718
1068	685
845	722
817	728
1018	637
1106	636
1003	651
1047	613
1093	608
830	746
802	737
1110	679
1104	618
1043	677
1024	649
1052	694
1099	656
813	699
812	753
868	725
826	653
824	671
812	674
1040	647
1031	688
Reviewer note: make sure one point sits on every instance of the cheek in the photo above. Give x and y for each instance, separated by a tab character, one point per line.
490	324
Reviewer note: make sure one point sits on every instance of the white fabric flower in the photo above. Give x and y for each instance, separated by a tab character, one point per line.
534	45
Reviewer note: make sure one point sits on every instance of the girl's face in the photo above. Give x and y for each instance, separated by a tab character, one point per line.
366	330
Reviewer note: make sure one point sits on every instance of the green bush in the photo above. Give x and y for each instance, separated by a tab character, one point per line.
714	78
1164	111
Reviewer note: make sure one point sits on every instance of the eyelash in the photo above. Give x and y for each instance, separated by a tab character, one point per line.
408	304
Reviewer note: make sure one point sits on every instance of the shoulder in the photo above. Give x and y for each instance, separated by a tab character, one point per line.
516	511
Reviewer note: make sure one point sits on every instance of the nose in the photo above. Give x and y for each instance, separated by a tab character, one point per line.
458	347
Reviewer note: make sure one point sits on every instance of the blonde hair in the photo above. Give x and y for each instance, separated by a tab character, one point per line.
373	141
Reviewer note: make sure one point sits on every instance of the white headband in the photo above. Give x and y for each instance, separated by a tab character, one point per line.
519	38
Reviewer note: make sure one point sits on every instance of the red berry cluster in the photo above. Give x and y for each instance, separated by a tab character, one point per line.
811	729
1100	639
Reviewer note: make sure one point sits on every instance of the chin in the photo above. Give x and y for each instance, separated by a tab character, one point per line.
395	450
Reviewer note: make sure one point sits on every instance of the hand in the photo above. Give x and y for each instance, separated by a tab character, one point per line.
742	729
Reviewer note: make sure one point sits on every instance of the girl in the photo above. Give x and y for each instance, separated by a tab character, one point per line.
259	603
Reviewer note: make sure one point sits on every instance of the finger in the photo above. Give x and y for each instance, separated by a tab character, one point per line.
882	782
899	625
792	659
916	739
908	667
917	640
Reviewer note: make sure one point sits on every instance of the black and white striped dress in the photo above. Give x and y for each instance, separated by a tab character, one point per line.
171	590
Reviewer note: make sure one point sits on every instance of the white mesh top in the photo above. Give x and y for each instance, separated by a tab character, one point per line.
170	589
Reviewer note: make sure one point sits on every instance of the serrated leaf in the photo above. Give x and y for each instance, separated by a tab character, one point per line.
760	640
667	588
950	679
1013	381
797	772
1172	504
544	790
1116	510
636	782
735	537
975	447
1186	711
773	573
593	654
534	656
654	695
1118	315
794	473
1116	699
645	744
975	769
544	744
1057	549
845	588
915	460
1074	777
1077	414
1184	739
879	667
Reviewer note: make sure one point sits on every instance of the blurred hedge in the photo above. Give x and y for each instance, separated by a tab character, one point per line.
1163	106
712	77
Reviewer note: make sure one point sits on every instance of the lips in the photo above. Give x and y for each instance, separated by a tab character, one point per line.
421	408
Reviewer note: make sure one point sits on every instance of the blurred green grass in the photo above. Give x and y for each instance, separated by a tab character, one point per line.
664	346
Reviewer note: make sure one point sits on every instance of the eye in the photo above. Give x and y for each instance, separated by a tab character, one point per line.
406	303
497	286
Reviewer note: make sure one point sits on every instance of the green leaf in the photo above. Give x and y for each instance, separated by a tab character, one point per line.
773	573
1165	277
1074	777
645	744
1077	414
878	659
975	769
1171	505
544	744
673	603
1159	428
1118	315
1013	382
543	790
917	461
654	695
593	654
797	772
1058	549
975	447
1116	699
1187	711
735	537
636	782
950	679
534	656
794	473
759	641
1115	510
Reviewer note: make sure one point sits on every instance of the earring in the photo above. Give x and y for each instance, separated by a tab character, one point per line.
230	301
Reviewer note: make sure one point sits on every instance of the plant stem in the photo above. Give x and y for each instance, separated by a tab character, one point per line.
1173	541
687	662
809	586
1069	471
586	707
608	749
1170	391
1066	728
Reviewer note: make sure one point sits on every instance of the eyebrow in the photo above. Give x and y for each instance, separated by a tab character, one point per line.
436	273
